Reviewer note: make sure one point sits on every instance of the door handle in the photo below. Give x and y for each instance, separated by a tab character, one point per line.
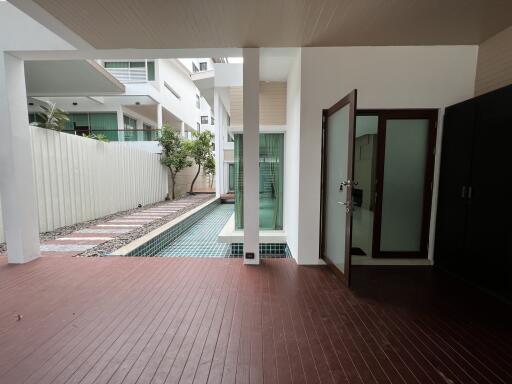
348	205
348	183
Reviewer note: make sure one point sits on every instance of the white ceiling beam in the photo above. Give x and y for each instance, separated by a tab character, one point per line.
122	54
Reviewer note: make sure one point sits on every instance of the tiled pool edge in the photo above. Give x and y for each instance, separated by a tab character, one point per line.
179	225
267	250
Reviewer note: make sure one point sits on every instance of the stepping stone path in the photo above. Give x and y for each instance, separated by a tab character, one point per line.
79	241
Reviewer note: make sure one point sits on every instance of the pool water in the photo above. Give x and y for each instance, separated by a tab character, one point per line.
200	240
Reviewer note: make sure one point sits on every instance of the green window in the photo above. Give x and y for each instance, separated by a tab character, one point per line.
231	177
77	120
117	64
271	165
151	70
129	123
103	121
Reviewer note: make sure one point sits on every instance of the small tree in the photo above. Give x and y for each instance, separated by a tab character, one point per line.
52	117
175	153
209	169
200	149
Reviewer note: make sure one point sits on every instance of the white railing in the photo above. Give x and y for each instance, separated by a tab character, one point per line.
80	179
129	75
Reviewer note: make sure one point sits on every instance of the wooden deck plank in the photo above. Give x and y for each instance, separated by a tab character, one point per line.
154	320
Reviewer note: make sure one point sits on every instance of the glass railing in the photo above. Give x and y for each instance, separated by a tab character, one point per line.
125	134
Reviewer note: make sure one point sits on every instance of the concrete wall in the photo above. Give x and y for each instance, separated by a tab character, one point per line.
494	68
385	77
272	104
184	179
80	179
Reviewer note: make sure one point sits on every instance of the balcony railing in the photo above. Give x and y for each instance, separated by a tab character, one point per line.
129	75
123	135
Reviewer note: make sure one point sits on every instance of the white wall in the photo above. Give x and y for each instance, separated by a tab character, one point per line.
177	77
80	179
292	156
20	32
385	77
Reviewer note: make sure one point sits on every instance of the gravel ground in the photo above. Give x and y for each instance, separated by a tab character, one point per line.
123	239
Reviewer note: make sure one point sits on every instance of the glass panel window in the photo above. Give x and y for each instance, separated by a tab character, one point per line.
116	64
77	121
271	164
194	68
204	119
137	64
231	180
171	89
203	66
129	123
198	127
212	120
198	101
151	70
103	121
146	126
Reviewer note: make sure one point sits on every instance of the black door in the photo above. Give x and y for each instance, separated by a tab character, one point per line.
454	187
489	233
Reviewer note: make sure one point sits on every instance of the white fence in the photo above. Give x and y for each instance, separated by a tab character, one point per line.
80	179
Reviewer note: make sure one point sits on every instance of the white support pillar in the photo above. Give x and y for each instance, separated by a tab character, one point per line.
159	116
219	150
17	186
182	129
120	122
251	128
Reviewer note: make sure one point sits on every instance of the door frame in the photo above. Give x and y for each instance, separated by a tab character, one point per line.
403	114
350	99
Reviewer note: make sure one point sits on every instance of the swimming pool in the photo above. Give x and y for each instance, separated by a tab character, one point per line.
196	234
200	240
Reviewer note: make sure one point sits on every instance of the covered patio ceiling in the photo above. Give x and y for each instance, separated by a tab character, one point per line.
234	23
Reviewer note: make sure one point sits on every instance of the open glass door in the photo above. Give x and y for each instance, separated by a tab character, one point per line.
338	135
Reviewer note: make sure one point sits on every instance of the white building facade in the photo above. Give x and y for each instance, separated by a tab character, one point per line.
147	94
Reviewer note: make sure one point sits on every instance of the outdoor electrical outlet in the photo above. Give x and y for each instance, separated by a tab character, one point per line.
249	255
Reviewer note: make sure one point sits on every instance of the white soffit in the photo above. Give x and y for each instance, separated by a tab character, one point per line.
163	24
69	77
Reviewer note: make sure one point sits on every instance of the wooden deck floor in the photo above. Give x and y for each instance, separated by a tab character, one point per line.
156	320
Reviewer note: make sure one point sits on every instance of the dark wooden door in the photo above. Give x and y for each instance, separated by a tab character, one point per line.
405	170
338	136
489	234
454	187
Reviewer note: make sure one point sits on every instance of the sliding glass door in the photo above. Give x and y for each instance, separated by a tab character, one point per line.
271	164
404	183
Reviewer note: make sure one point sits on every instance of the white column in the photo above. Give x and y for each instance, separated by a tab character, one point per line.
120	123
17	187
159	116
251	121
219	150
182	129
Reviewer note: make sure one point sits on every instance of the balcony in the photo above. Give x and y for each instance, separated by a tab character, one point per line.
131	71
123	134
